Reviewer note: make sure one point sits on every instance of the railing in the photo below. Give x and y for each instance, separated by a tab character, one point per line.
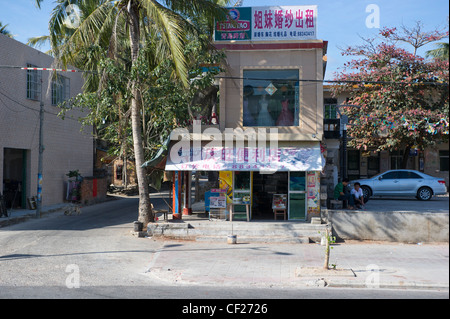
331	128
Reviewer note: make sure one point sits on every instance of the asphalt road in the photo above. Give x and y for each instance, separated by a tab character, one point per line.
94	255
408	204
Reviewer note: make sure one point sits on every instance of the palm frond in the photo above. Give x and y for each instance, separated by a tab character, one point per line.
170	27
37	42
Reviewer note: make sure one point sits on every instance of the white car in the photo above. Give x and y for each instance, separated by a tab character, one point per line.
402	182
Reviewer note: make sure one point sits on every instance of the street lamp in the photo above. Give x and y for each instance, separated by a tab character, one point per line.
343	130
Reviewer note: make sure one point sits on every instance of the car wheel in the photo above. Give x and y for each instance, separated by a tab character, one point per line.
424	193
366	193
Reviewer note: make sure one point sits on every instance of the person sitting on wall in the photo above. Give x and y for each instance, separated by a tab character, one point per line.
341	194
358	195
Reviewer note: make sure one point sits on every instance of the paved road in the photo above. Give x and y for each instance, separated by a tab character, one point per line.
438	204
94	255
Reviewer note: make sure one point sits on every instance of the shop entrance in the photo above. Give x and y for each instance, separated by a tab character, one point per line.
288	192
14	177
264	187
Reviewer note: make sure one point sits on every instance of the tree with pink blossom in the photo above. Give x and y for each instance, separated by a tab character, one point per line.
403	98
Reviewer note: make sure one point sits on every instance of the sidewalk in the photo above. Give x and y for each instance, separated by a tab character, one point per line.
19	215
376	265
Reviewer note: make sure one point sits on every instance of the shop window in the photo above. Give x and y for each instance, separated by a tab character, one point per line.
271	98
443	161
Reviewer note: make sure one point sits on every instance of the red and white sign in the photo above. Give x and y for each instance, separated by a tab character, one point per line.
284	23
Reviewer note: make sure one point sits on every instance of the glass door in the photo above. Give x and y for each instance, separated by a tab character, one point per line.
297	196
242	193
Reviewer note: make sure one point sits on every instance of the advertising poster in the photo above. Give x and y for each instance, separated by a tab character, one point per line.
313	192
270	23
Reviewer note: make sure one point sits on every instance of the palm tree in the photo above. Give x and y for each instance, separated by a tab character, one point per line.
4	31
441	52
165	23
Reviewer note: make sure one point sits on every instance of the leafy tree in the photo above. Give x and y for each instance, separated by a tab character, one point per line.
403	99
129	26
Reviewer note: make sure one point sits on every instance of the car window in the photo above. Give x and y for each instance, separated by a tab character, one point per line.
414	175
390	175
403	175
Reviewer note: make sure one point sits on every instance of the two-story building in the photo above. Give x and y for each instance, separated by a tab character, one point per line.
359	164
266	147
66	148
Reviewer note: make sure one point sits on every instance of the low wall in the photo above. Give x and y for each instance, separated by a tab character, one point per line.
93	190
408	227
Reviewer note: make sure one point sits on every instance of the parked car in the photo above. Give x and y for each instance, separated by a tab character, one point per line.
402	182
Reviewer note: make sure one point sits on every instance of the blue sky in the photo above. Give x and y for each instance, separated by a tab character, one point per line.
339	22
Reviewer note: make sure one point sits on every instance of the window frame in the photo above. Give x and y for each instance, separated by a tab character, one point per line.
34	83
296	95
60	89
330	106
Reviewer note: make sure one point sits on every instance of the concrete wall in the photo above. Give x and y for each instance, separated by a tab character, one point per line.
408	227
66	148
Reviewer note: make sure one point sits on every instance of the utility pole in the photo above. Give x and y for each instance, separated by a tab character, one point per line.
343	130
40	159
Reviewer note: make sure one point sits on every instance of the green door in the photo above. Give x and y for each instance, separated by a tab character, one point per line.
297	196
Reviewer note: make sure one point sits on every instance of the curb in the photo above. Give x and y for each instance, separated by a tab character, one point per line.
390	285
19	219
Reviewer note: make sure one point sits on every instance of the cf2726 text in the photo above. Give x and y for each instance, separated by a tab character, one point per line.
237	308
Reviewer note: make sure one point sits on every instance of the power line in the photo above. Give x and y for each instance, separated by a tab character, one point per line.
27	107
45	69
365	82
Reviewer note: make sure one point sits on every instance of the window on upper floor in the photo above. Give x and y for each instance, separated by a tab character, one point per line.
34	83
330	108
271	98
60	89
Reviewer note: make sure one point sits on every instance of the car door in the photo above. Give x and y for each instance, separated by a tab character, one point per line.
404	183
386	184
414	182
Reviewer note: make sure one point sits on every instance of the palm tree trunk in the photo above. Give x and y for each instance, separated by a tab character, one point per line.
145	213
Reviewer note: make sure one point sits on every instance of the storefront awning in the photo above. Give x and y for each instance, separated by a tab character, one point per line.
307	158
159	161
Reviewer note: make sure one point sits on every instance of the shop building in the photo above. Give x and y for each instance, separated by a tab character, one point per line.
266	147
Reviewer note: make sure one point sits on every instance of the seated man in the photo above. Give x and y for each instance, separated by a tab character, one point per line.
340	194
358	195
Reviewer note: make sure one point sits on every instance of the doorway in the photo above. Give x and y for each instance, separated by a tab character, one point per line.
264	187
15	177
